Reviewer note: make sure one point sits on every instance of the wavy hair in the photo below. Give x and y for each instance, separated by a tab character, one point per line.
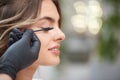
18	14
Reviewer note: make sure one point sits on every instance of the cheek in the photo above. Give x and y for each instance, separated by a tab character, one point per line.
45	39
43	48
45	42
45	57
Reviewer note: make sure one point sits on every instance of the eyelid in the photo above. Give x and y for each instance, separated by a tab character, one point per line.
44	29
47	28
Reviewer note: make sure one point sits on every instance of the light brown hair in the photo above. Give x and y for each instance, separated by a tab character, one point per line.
18	14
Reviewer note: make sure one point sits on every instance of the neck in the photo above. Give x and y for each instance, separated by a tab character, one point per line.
27	73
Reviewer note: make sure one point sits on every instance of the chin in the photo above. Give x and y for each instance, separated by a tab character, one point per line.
55	62
50	63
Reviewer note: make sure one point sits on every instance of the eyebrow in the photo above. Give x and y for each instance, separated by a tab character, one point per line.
47	18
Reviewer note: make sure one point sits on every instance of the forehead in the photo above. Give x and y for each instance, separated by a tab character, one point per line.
48	9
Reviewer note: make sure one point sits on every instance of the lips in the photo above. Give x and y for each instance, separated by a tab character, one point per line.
55	50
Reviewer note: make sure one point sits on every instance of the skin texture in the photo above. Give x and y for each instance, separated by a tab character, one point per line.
5	77
50	40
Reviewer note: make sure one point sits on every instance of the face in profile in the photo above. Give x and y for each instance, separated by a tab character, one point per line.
50	40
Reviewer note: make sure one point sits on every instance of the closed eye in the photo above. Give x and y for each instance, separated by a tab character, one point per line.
47	29
44	29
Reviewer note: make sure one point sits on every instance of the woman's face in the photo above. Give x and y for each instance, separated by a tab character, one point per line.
50	40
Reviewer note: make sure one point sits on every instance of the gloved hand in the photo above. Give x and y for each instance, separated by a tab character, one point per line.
20	54
14	36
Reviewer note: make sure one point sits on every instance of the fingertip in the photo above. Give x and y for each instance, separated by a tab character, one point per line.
11	34
35	43
11	41
35	40
28	33
15	30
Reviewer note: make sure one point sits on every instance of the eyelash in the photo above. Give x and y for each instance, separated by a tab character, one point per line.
47	28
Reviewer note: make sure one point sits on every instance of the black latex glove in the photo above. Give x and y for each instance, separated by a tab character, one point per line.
20	54
14	36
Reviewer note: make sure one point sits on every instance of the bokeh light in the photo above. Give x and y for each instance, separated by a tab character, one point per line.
87	17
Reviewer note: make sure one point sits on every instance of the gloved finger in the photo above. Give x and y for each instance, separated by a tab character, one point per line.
35	44
11	41
15	30
12	35
18	33
27	35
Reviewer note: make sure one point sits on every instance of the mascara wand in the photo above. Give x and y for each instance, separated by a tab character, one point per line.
43	29
19	35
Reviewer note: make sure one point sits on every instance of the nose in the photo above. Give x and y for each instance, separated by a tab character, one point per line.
60	36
